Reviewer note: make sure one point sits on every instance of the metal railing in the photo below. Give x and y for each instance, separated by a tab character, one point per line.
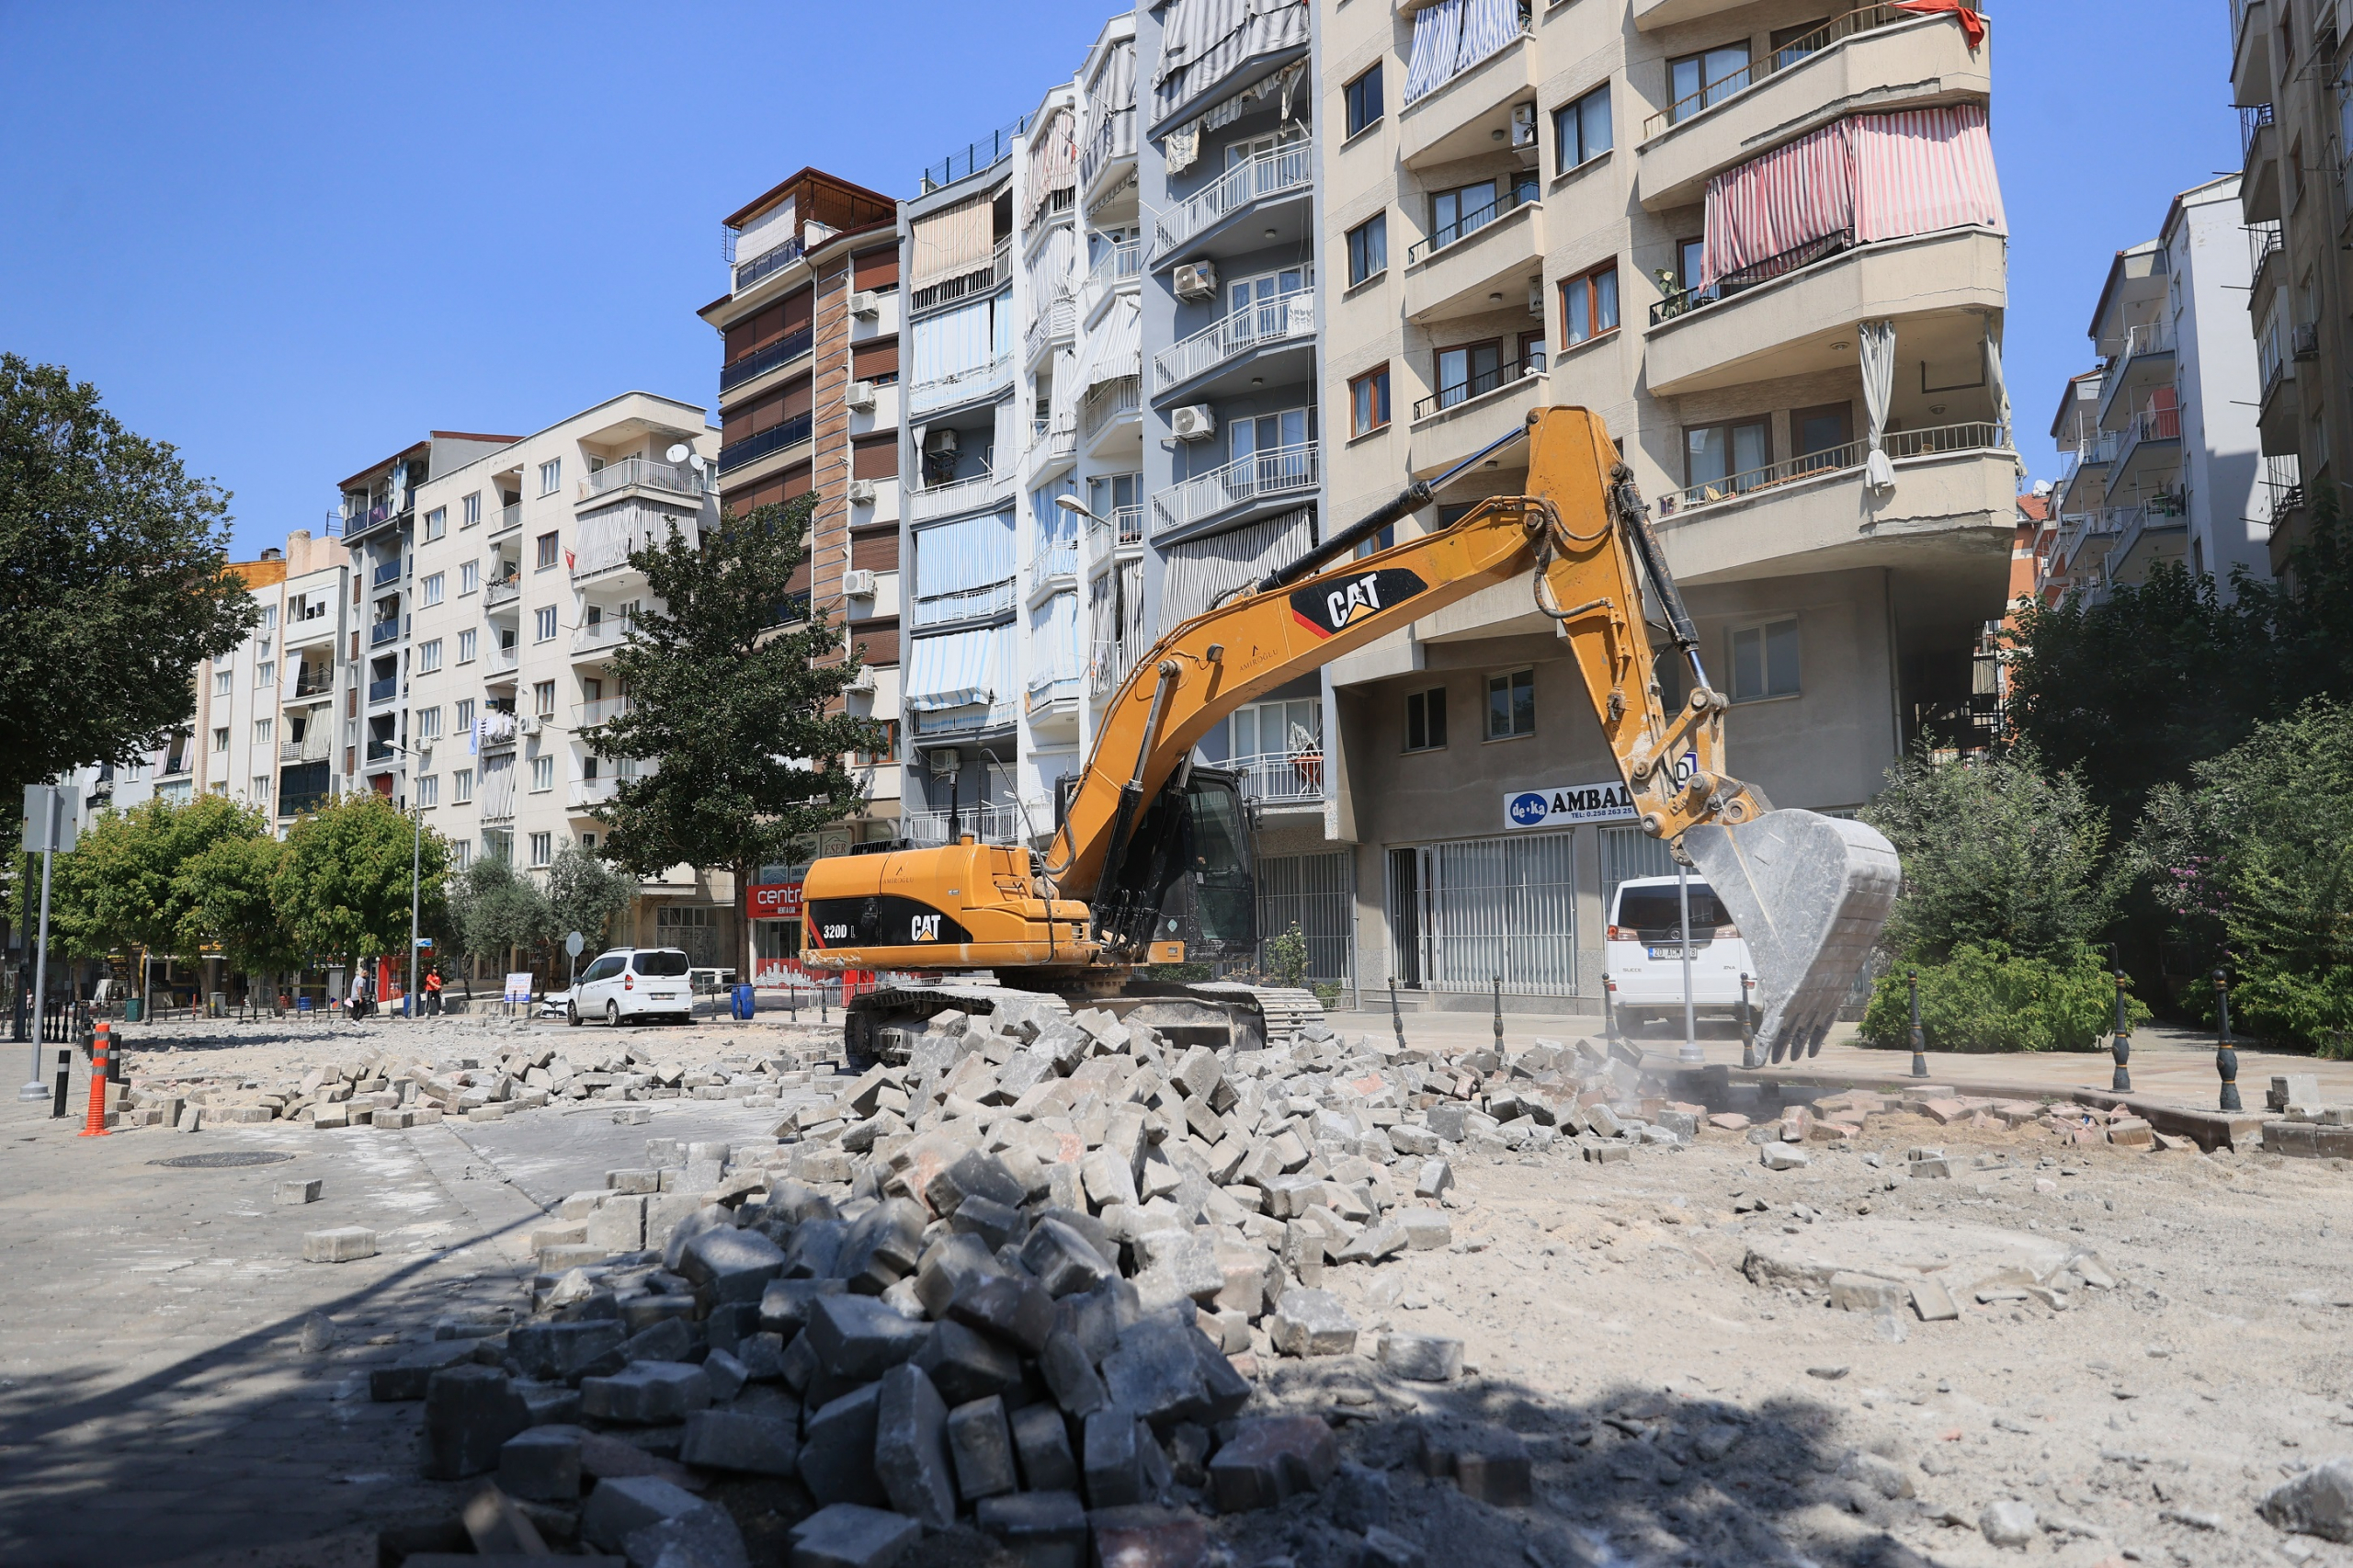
2253	119
384	691
316	747
1685	302
597	636
2263	242
1114	140
1120	260
505	591
982	489
1479	385
1837	31
591	792
2273	364
763	360
334	525
965	604
775	439
1283	318
509	517
1470	223
585	714
2099	452
2148	338
308	685
1106	401
1056	322
961	386
1056	558
750	272
1049	446
384	631
963	721
981	153
1277	172
2149	423
1279	471
386	571
680	479
1937	441
964	285
1124	526
1278	776
380	751
990	824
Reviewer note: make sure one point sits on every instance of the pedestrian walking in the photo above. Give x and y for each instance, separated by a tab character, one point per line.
432	993
356	1004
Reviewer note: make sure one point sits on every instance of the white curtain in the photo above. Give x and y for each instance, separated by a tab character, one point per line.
1202	42
1115	348
953	242
1994	382
1438	37
970	553
1877	345
1053	640
952	343
1198	571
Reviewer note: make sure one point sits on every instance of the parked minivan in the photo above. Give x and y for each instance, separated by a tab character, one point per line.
1644	956
634	983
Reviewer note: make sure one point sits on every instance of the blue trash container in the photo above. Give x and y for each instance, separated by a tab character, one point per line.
743	1003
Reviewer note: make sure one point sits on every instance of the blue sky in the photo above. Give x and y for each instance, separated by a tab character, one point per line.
291	239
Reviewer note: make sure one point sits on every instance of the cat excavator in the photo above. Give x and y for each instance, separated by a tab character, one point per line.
1150	861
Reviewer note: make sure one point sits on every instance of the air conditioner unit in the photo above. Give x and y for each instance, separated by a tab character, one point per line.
1194	422
1535	296
1197	280
529	724
861	395
862	681
858	585
866	303
1523	125
861	493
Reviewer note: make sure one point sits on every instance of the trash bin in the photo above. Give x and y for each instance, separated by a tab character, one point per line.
743	1003
133	1008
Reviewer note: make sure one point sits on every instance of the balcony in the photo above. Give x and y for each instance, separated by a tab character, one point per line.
1454	421
2280	410
750	272
386	573
1284	318
2250	52
383	690
1118	264
960	387
1055	560
1111	660
1113	147
760	361
509	518
2083	475
981	153
308	685
773	439
978	494
645	473
988	600
1272	176
598	637
1281	778
1123	527
2159	531
1651	15
378	519
587	714
384	631
1784	322
1055	326
1050	452
965	285
2149	452
380	751
497	731
2266	263
989	825
1109	407
2260	165
585	794
1876	54
1277	473
975	720
503	592
1495	249
316	747
498	664
2143	361
1456	117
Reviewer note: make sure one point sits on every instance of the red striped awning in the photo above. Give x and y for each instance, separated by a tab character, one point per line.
1773	205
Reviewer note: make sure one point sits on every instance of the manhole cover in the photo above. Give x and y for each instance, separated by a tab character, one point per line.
222	1160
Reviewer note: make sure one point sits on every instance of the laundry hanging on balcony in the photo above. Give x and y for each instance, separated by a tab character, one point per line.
1454	35
1053	641
1867	177
1203	41
1115	348
1053	160
952	242
959	669
1973	25
1198	572
964	555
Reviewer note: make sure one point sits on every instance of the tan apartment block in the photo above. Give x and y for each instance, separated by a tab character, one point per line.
266	727
1764	241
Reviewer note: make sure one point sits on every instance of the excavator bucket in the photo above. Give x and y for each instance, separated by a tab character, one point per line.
1809	895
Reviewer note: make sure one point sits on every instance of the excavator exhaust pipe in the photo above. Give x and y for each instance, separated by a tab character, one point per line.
1809	894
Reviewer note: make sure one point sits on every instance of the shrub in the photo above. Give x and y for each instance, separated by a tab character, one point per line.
1986	998
1287	957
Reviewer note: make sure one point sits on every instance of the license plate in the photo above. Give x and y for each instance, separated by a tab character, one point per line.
666	996
1674	954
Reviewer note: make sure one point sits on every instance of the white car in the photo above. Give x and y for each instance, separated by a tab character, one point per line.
635	984
1644	954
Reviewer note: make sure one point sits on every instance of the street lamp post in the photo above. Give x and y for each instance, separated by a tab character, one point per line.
424	757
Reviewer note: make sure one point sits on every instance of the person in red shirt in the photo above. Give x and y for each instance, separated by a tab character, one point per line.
433	993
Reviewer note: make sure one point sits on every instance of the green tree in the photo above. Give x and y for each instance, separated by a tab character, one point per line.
492	910
130	882
587	895
730	698
112	587
230	886
342	888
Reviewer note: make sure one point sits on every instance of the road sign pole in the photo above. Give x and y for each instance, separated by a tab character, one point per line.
32	1089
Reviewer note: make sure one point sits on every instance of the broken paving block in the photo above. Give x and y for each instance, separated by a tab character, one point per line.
566	1352
1493	1467
847	1535
1422	1357
1062	1259
857	1339
542	1464
1041	1529
343	1244
1426	1229
1312	1323
646	1394
1113	1465
837	1449
1782	1156
728	1439
981	1445
1436	1176
1933	1301
1013	1310
1042	1442
498	1529
1271	1458
469	1412
1852	1292
294	1193
911	1448
730	1265
966	1365
621	1506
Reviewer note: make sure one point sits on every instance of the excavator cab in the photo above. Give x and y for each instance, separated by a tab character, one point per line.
1188	887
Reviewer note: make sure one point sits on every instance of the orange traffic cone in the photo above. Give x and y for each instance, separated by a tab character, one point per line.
94	1125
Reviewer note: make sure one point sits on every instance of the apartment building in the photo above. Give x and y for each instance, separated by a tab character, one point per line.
2161	447
2295	100
1770	249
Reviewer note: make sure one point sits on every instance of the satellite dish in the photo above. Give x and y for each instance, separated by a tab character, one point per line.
679	451
694	460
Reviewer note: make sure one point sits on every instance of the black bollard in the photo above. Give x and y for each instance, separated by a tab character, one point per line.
2122	1050
1396	1015
2226	1060
1499	1015
1749	1060
1920	1039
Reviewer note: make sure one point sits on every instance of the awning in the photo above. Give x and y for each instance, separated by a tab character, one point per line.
972	553
1202	42
960	669
1196	572
1053	160
954	343
1115	348
1454	35
952	242
1053	640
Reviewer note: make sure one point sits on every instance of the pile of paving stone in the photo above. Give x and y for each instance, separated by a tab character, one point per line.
391	1089
1024	1282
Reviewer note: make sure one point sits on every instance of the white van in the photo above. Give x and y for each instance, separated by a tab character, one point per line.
1644	956
636	984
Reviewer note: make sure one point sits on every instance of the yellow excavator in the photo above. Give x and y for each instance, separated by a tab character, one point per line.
1149	861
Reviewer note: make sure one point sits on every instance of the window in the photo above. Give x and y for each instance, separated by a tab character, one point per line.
1468	209
1466	370
1589	305
260	792
587	841
428	723
1382	540
221	681
543	699
1362	97
262	731
469	577
547	552
542	848
1690	264
1511	705
462	717
1277	440
1426	719
1368	400
436	523
1581	128
221	738
1531	353
428	791
887	751
470	510
1368	248
1696	81
269	624
1765	661
1722	455
462	786
428	655
433	586
542	773
543	624
550	475
466	640
1820	432
266	672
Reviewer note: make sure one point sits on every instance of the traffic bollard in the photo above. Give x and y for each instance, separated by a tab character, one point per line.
2122	1050
1919	1039
1749	1060
1499	1015
65	1077
2226	1058
1396	1015
94	1124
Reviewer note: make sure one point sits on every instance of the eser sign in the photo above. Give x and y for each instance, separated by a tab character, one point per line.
1570	805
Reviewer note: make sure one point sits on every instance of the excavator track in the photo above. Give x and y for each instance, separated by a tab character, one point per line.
881	1026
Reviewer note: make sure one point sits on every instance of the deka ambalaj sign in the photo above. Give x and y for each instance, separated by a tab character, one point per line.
1573	804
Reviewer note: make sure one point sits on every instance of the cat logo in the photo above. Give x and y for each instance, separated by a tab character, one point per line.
1328	607
922	928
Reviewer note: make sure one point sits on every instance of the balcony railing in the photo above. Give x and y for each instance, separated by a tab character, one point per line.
1120	260
984	489
750	272
508	517
1124	526
384	691
963	721
308	685
1480	384
1056	558
1277	172
982	152
591	792
2253	118
1279	471
1115	139
763	360
2150	423
1054	322
315	747
1867	18
335	525
384	631
1049	446
1284	318
961	386
965	285
585	714
2097	453
775	439
386	571
597	636
499	662
1938	442
505	591
2303	341
965	604
1106	401
1280	777
380	751
1470	223
2149	337
679	479
1682	301
2262	244
1113	658
990	824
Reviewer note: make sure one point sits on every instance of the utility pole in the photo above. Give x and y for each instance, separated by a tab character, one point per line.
50	801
